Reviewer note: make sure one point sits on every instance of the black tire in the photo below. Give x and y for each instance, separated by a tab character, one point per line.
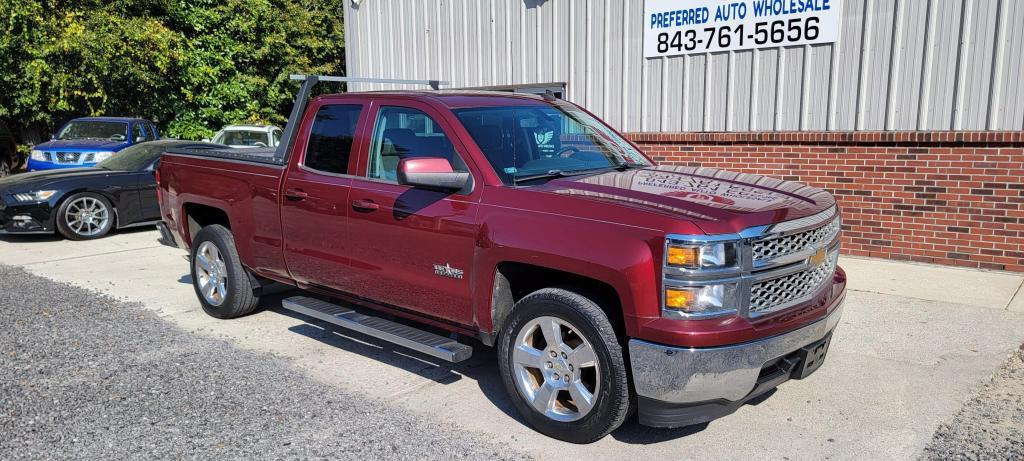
612	400
68	229
241	297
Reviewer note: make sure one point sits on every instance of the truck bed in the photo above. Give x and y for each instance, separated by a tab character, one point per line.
264	155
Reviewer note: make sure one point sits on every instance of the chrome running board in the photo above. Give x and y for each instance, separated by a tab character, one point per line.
403	335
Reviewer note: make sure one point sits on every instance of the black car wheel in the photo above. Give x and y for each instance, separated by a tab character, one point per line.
85	216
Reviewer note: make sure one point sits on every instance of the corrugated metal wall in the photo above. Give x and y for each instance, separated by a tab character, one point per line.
899	64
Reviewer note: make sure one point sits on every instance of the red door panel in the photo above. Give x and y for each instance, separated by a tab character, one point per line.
414	250
315	194
315	228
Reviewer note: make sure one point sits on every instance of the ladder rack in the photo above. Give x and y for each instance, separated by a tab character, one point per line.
309	81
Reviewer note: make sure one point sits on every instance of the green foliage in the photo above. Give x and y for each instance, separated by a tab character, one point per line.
190	65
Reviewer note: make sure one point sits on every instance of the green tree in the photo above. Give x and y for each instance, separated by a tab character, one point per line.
190	65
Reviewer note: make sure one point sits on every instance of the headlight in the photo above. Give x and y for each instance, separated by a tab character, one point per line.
36	196
101	156
39	156
708	300
706	256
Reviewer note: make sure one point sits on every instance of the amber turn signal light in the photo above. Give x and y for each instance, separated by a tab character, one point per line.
684	256
676	298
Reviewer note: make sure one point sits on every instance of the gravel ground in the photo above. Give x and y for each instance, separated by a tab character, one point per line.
88	377
989	426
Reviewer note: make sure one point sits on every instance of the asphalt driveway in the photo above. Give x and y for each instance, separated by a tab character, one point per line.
916	343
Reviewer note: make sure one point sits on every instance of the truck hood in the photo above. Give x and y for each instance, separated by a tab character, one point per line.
83	145
36	180
717	201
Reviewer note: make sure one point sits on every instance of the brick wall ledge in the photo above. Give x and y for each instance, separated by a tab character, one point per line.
888	138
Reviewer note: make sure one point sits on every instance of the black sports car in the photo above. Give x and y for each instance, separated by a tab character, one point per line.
86	203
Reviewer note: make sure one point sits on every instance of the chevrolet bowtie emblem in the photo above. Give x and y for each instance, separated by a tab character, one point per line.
817	258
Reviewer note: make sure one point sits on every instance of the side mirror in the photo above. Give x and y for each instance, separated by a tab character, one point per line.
140	139
431	173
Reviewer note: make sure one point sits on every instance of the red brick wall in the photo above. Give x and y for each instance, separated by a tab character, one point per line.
937	197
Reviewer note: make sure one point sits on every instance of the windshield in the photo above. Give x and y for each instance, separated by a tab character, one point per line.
526	141
114	131
243	138
134	158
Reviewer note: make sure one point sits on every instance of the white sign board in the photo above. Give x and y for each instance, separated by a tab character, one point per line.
675	27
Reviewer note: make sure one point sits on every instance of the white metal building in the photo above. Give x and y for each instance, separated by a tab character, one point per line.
895	65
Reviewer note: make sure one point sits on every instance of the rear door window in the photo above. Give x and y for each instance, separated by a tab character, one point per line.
331	138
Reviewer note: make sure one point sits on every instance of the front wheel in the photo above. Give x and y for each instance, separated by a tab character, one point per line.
563	366
221	282
85	216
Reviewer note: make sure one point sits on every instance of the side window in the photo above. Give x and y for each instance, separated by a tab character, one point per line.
152	130
139	134
401	132
330	140
276	140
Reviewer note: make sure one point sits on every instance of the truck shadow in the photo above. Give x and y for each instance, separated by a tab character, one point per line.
24	238
55	237
633	432
482	368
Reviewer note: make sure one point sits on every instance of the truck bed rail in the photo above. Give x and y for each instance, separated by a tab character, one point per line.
266	156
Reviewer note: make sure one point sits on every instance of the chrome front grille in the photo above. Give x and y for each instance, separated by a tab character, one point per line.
68	158
782	292
776	267
778	247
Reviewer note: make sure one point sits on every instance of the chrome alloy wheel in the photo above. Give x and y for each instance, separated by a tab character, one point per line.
556	369
211	273
87	216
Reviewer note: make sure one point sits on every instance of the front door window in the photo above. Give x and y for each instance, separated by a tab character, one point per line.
402	132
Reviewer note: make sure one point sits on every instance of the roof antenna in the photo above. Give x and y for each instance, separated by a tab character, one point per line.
549	95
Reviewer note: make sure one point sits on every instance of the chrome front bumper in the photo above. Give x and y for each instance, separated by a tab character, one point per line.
684	376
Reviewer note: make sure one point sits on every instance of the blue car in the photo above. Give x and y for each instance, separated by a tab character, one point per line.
87	141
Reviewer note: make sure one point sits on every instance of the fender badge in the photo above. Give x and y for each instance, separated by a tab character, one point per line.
818	257
448	271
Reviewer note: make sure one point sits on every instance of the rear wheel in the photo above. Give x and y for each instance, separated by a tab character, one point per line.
85	216
563	366
222	284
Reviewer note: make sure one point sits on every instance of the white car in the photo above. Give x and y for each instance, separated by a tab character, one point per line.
248	136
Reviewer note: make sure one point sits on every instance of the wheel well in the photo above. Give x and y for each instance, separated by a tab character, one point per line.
199	216
513	281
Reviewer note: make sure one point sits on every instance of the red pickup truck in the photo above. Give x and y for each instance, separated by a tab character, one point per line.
610	285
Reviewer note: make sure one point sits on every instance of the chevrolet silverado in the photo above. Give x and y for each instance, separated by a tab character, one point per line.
608	284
